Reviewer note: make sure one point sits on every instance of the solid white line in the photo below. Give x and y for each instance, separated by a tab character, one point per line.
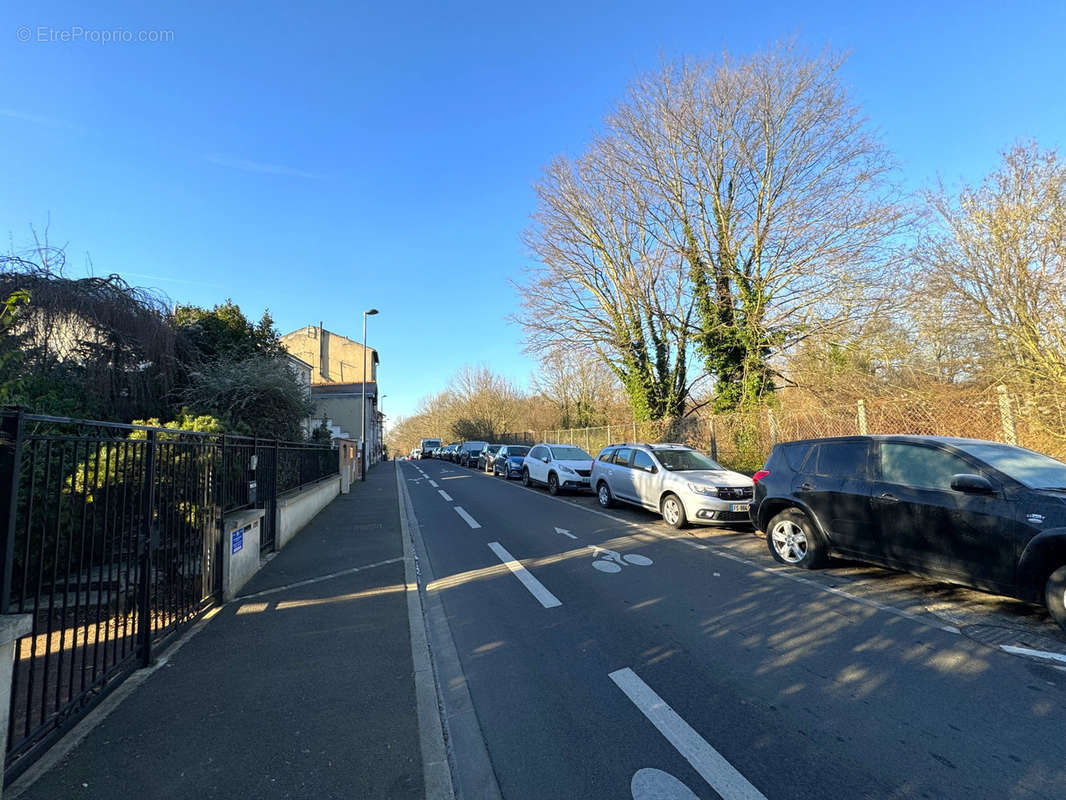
445	495
707	761
536	588
473	523
1025	651
433	483
436	774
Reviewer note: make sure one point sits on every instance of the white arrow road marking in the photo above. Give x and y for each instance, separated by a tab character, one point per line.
445	495
707	761
565	532
536	588
473	523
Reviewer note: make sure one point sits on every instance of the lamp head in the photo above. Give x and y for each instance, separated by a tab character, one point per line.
371	312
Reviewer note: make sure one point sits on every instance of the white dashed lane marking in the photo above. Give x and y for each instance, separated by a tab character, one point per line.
536	588
473	523
445	495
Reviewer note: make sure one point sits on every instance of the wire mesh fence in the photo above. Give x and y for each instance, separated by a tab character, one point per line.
741	440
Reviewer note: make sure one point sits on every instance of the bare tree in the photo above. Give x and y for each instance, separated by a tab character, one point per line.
605	282
768	179
735	205
995	255
584	390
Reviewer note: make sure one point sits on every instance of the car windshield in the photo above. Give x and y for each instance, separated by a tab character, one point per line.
474	446
494	448
517	451
570	454
1035	470
677	460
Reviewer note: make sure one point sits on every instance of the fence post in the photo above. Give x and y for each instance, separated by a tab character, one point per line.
10	472
144	588
714	441
860	409
634	430
773	425
608	434
1010	436
587	445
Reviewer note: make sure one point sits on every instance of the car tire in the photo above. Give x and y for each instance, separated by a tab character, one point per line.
793	540
603	494
673	511
1055	596
553	483
526	480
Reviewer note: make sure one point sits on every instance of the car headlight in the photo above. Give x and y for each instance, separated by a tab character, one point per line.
566	469
700	488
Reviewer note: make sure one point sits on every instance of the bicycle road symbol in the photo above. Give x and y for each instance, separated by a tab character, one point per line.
612	561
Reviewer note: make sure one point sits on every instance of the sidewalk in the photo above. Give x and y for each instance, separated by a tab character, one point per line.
306	692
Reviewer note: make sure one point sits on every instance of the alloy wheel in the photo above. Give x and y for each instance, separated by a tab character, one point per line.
789	541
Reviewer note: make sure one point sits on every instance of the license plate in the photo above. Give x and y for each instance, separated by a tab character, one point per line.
738	507
584	480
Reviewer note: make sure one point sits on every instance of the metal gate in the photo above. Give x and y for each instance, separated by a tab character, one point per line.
112	544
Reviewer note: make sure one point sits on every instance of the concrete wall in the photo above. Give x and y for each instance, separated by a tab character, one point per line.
298	508
242	532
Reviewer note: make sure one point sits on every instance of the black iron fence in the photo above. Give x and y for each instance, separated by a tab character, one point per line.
113	536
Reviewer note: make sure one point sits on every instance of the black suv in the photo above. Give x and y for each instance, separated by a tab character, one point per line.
978	513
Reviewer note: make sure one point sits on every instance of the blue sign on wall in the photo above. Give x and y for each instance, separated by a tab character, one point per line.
238	540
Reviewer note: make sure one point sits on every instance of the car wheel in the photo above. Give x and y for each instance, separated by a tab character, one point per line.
673	511
603	494
793	540
526	481
1055	596
553	483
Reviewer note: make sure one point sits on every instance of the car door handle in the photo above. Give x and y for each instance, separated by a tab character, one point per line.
888	497
805	486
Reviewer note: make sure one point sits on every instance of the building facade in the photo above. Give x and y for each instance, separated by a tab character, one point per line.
337	366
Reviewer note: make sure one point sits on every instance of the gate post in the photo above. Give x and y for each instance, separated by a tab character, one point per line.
10	473
714	440
1006	418
144	589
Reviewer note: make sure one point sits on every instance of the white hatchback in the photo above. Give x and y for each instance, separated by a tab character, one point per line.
557	466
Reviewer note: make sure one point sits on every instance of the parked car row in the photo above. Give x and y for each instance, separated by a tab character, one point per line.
674	480
983	514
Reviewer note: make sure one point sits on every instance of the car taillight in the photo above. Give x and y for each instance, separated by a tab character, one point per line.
758	476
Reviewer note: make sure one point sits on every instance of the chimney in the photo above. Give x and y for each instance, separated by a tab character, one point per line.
323	353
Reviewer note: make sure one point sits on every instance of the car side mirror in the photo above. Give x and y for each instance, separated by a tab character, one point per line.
972	484
545	459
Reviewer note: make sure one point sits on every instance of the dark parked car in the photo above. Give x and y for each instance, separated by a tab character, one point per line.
468	453
978	513
509	460
486	456
448	452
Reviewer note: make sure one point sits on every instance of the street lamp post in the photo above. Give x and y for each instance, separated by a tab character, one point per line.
362	414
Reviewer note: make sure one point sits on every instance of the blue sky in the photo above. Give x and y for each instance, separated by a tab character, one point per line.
320	158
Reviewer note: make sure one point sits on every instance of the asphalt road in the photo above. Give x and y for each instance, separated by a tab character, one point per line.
607	658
